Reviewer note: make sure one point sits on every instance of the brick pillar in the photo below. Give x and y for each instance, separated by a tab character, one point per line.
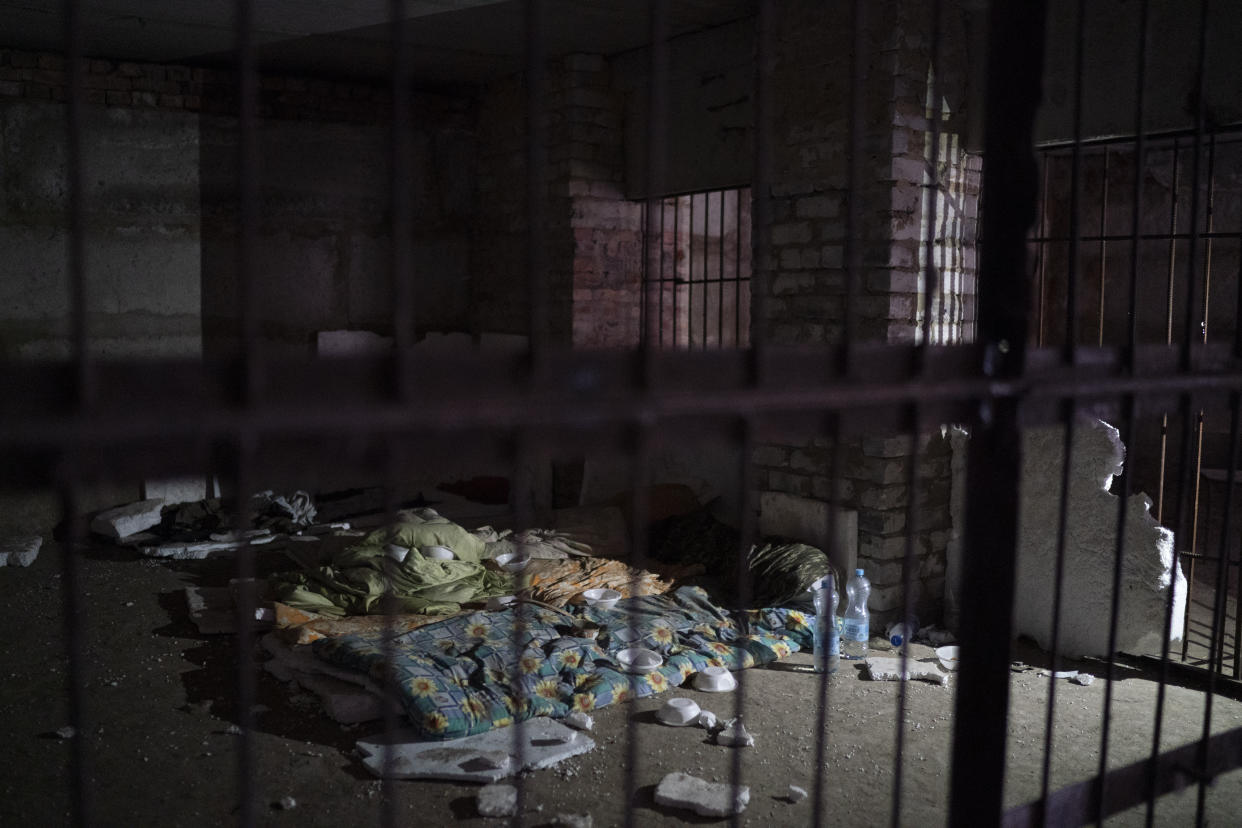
805	272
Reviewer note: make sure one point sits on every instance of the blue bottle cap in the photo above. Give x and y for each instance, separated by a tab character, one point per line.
858	572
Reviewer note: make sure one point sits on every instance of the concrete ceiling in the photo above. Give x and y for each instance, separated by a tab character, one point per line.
451	41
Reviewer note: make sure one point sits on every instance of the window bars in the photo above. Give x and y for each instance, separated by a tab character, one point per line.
1066	232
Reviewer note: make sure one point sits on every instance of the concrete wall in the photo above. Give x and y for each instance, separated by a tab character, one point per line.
140	170
1110	33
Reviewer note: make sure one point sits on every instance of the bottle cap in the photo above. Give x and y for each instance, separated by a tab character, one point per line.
858	572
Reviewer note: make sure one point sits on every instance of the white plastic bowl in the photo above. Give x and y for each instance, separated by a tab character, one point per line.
601	598
947	656
678	712
439	553
512	561
714	680
639	660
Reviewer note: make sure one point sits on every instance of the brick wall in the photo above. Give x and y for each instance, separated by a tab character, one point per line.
805	270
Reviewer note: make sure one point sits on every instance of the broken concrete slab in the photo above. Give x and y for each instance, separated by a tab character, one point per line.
545	743
130	519
1148	574
197	550
579	720
889	669
712	799
735	734
497	800
20	551
572	820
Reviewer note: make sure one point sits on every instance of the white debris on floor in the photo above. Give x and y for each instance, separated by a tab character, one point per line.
579	720
712	799
734	734
545	742
129	519
347	696
889	669
796	794
497	800
20	551
1090	549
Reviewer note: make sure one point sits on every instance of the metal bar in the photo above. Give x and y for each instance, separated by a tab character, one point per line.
676	265
1015	67
401	200
761	220
737	270
690	277
536	168
1164	421
641	437
707	210
663	284
931	274
1057	599
657	129
1123	503
1103	248
248	169
1071	288
1125	237
1152	135
81	796
720	291
836	461
854	181
745	441
75	209
908	564
1042	243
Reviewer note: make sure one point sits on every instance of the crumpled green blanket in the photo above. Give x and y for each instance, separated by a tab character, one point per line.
355	581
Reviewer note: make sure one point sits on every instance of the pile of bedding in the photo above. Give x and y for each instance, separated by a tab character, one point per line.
483	670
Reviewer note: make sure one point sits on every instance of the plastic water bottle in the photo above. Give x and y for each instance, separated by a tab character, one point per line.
903	632
827	643
857	627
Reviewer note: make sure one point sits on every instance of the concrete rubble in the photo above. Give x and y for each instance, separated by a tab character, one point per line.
572	821
497	800
734	734
796	794
711	799
127	520
196	550
20	551
579	720
484	757
889	669
1091	546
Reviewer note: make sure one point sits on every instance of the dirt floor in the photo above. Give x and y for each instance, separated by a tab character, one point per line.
161	744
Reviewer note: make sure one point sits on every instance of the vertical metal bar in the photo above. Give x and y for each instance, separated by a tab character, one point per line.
1172	281
931	274
690	276
737	268
1068	414
854	181
720	282
640	514
248	220
707	211
1075	223
908	563
248	193
761	219
663	283
81	797
677	246
1103	248
536	165
76	210
1140	167
742	582
657	127
836	465
1015	67
1042	254
401	152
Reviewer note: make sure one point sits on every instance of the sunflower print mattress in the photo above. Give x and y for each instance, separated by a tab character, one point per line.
477	671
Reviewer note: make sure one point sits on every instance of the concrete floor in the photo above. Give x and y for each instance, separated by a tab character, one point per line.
160	751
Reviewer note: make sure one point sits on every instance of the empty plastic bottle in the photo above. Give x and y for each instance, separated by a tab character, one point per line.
857	623
827	642
903	632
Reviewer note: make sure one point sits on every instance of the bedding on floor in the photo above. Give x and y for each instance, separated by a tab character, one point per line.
482	670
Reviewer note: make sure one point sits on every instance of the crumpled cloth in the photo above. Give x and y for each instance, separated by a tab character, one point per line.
546	544
282	512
